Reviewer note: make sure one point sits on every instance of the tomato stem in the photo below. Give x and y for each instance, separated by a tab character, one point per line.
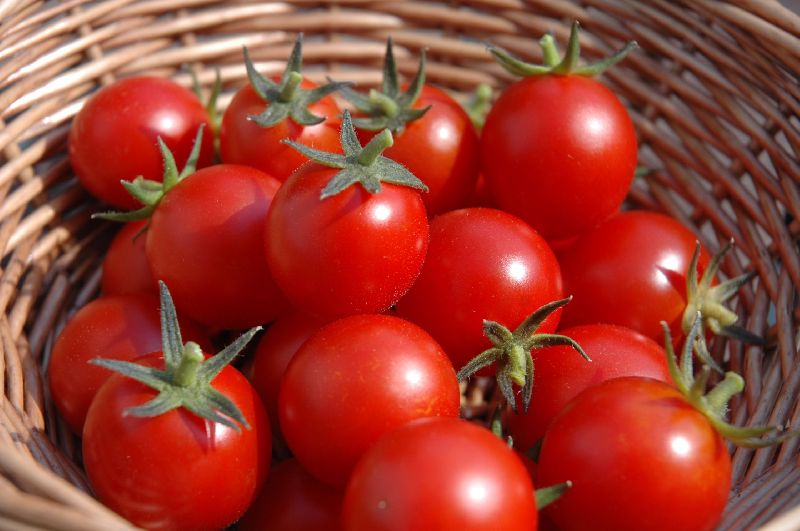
550	53
375	147
386	104
289	90
191	358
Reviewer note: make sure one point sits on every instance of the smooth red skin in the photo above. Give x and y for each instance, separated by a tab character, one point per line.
466	278
125	266
350	253
177	470
292	500
242	141
355	380
559	152
630	271
441	149
617	443
560	373
120	327
206	242
275	350
114	136
444	474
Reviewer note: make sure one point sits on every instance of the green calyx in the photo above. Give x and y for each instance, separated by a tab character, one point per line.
286	99
479	105
185	380
149	192
215	117
364	165
714	403
553	63
389	108
512	353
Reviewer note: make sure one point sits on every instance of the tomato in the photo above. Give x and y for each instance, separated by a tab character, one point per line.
205	242
175	470
114	135
125	266
630	271
118	327
292	500
639	457
559	151
445	474
353	252
481	264
356	379
559	375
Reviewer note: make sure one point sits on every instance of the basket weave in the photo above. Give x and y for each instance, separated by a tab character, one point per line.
713	92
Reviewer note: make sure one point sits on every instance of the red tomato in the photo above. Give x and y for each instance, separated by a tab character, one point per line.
292	500
444	474
639	457
630	271
481	264
175	470
560	374
356	379
125	266
206	241
559	152
243	141
353	252
119	327
114	135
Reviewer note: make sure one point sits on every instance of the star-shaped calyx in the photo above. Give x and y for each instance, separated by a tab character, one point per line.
364	165
389	107
286	99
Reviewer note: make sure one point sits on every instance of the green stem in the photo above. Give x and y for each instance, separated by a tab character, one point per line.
549	50
186	373
289	90
516	362
721	394
375	147
386	104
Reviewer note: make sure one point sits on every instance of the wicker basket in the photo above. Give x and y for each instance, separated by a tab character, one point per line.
713	92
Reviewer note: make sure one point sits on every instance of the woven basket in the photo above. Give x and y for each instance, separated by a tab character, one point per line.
713	92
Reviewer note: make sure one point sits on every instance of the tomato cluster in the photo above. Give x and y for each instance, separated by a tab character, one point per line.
391	248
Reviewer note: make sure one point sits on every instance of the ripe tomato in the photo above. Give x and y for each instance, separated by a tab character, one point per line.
356	379
481	264
559	374
114	135
176	470
639	457
119	327
125	266
559	151
630	271
444	474
205	242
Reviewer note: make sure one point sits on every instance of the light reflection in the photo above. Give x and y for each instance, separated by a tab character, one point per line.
382	212
444	133
667	264
680	446
414	376
477	491
595	126
517	270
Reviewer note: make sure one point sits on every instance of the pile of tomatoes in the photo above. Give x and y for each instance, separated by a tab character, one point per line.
383	241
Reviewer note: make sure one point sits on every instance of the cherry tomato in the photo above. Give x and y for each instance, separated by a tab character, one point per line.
630	271
125	266
206	241
356	379
120	327
559	374
481	264
445	474
114	135
639	457
559	152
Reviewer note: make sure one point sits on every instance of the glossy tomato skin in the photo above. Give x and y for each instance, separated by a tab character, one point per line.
560	373
120	327
177	470
559	152
242	141
292	500
649	461
350	253
445	474
441	149
356	379
114	135
206	242
125	266
630	271
481	264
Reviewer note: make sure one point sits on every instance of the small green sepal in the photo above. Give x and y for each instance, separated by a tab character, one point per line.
547	495
479	105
